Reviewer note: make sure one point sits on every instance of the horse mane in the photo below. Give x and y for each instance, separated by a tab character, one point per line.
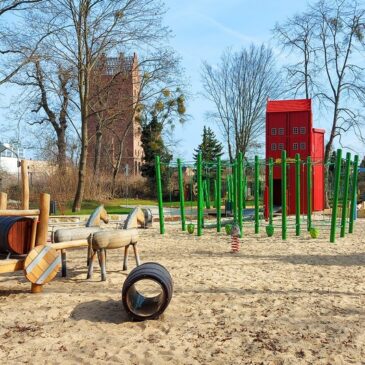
93	216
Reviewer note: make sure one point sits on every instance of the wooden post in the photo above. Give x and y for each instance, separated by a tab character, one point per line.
25	184
3	201
42	230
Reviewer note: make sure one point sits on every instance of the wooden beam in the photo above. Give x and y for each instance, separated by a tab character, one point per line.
3	201
11	265
69	244
22	213
42	230
25	184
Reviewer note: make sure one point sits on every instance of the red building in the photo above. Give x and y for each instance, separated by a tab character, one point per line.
114	128
289	127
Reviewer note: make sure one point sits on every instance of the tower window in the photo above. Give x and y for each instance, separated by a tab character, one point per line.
295	130
273	146
302	130
302	146
281	131
273	131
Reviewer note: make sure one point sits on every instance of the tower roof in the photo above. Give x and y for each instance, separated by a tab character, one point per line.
299	105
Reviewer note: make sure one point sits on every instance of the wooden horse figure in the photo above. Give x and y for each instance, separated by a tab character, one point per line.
80	233
101	241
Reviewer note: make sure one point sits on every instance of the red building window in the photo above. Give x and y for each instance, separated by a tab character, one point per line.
295	130
273	131
273	146
281	146
302	130
281	131
302	146
295	146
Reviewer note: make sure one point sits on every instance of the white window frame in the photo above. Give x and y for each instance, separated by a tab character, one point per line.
303	130
295	130
273	131
281	131
303	146
273	147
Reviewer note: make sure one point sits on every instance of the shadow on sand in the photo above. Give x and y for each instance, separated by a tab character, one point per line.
110	311
356	259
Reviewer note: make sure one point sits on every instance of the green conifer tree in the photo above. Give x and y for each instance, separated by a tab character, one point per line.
210	147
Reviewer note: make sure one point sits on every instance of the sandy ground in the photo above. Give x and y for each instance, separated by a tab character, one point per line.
298	302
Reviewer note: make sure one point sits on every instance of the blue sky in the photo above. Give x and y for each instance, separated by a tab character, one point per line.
203	30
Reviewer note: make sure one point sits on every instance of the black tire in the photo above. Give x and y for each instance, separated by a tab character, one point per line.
140	307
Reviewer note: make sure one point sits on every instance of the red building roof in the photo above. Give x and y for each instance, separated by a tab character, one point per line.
299	105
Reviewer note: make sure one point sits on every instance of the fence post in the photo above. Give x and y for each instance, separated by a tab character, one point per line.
257	192
297	194
335	197
159	194
309	193
200	194
240	192
271	190
283	195
234	198
219	194
345	194
353	193
182	198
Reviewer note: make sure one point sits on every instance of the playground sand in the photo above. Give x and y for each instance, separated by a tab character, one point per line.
296	302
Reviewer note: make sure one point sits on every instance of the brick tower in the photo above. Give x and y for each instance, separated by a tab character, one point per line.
114	129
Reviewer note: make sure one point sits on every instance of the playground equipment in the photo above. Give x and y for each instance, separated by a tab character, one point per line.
147	291
232	180
101	241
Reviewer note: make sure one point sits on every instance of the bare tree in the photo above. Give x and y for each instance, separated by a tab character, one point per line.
239	87
16	47
336	37
296	35
46	91
80	31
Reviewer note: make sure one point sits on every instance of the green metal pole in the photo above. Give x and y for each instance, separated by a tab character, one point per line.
271	190
257	192
240	192
228	182
335	198
215	194
200	195
207	186
353	193
283	196
181	191
309	193
297	194
244	187
234	198
159	194
219	194
345	194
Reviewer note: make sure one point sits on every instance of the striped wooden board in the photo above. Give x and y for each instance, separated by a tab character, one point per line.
42	264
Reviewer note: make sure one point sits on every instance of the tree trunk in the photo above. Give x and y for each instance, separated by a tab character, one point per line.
61	146
98	140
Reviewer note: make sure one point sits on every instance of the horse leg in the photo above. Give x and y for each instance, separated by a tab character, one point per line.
125	261
136	256
64	264
89	253
102	257
90	270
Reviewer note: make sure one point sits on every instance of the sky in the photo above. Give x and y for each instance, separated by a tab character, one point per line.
202	30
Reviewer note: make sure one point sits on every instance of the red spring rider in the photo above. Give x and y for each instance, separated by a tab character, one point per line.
235	238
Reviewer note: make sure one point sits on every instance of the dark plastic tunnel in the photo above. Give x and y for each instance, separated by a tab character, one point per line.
147	291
